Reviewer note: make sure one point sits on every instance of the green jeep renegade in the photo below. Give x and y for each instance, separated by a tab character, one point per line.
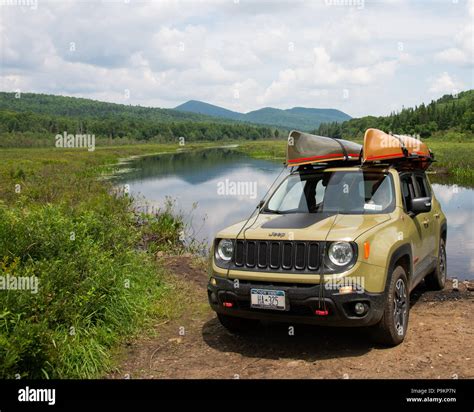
340	246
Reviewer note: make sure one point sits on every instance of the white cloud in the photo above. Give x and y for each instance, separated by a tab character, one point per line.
463	52
275	53
444	83
453	55
321	72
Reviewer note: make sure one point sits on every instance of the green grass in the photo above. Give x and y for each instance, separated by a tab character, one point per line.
97	283
454	159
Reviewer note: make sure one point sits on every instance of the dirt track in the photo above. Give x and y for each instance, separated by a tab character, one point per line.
439	344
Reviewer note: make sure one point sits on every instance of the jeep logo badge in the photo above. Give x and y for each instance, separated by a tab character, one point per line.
277	234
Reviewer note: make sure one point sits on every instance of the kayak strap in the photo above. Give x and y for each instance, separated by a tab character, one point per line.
344	151
402	144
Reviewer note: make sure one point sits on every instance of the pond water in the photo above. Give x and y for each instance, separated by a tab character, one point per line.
214	188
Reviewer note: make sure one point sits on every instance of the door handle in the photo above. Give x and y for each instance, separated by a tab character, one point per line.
436	215
426	222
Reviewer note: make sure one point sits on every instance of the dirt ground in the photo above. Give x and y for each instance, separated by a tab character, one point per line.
439	344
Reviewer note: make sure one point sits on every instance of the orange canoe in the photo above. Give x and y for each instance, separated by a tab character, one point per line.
380	146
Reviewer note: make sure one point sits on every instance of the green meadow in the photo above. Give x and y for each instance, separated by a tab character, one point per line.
62	222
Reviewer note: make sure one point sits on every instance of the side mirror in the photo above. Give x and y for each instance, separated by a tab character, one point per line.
260	204
420	205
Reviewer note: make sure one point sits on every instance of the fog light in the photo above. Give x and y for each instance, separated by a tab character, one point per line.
213	282
360	308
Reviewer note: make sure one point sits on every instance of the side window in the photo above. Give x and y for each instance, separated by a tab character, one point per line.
408	191
320	189
423	187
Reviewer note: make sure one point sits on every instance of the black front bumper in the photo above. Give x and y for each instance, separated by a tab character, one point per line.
302	302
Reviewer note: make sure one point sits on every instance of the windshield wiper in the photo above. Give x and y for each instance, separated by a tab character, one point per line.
276	212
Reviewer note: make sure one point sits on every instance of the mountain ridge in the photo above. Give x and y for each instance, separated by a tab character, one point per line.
302	118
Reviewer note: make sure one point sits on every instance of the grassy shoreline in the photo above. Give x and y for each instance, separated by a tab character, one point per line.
92	256
62	224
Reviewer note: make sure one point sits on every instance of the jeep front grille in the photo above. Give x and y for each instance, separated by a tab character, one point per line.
277	255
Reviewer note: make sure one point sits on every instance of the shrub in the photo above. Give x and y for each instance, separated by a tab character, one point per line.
95	287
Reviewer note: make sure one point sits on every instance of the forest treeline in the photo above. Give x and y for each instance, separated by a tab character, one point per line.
453	114
30	117
33	119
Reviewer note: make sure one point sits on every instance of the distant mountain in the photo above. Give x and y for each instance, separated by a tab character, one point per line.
301	118
195	106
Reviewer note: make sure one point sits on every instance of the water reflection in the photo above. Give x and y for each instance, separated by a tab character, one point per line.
458	205
194	178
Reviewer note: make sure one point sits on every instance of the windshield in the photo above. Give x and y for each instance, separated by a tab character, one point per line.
346	192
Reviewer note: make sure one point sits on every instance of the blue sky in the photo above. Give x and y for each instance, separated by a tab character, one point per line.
359	56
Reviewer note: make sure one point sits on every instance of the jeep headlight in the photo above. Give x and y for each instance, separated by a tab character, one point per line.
224	250
340	253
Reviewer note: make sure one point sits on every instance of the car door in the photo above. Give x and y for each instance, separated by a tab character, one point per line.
414	231
427	222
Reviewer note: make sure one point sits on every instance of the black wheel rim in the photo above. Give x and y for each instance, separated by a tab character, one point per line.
400	307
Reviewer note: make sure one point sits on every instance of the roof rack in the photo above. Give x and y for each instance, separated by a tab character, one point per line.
319	166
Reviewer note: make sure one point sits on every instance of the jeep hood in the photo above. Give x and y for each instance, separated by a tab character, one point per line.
305	226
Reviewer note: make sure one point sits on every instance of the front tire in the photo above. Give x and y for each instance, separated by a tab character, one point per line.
437	279
237	325
392	328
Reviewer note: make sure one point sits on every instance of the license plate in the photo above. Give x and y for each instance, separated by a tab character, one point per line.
267	299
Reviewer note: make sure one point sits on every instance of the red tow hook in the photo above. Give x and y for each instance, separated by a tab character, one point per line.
321	312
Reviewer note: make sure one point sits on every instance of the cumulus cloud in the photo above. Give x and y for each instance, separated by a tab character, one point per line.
240	55
463	51
321	72
444	83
